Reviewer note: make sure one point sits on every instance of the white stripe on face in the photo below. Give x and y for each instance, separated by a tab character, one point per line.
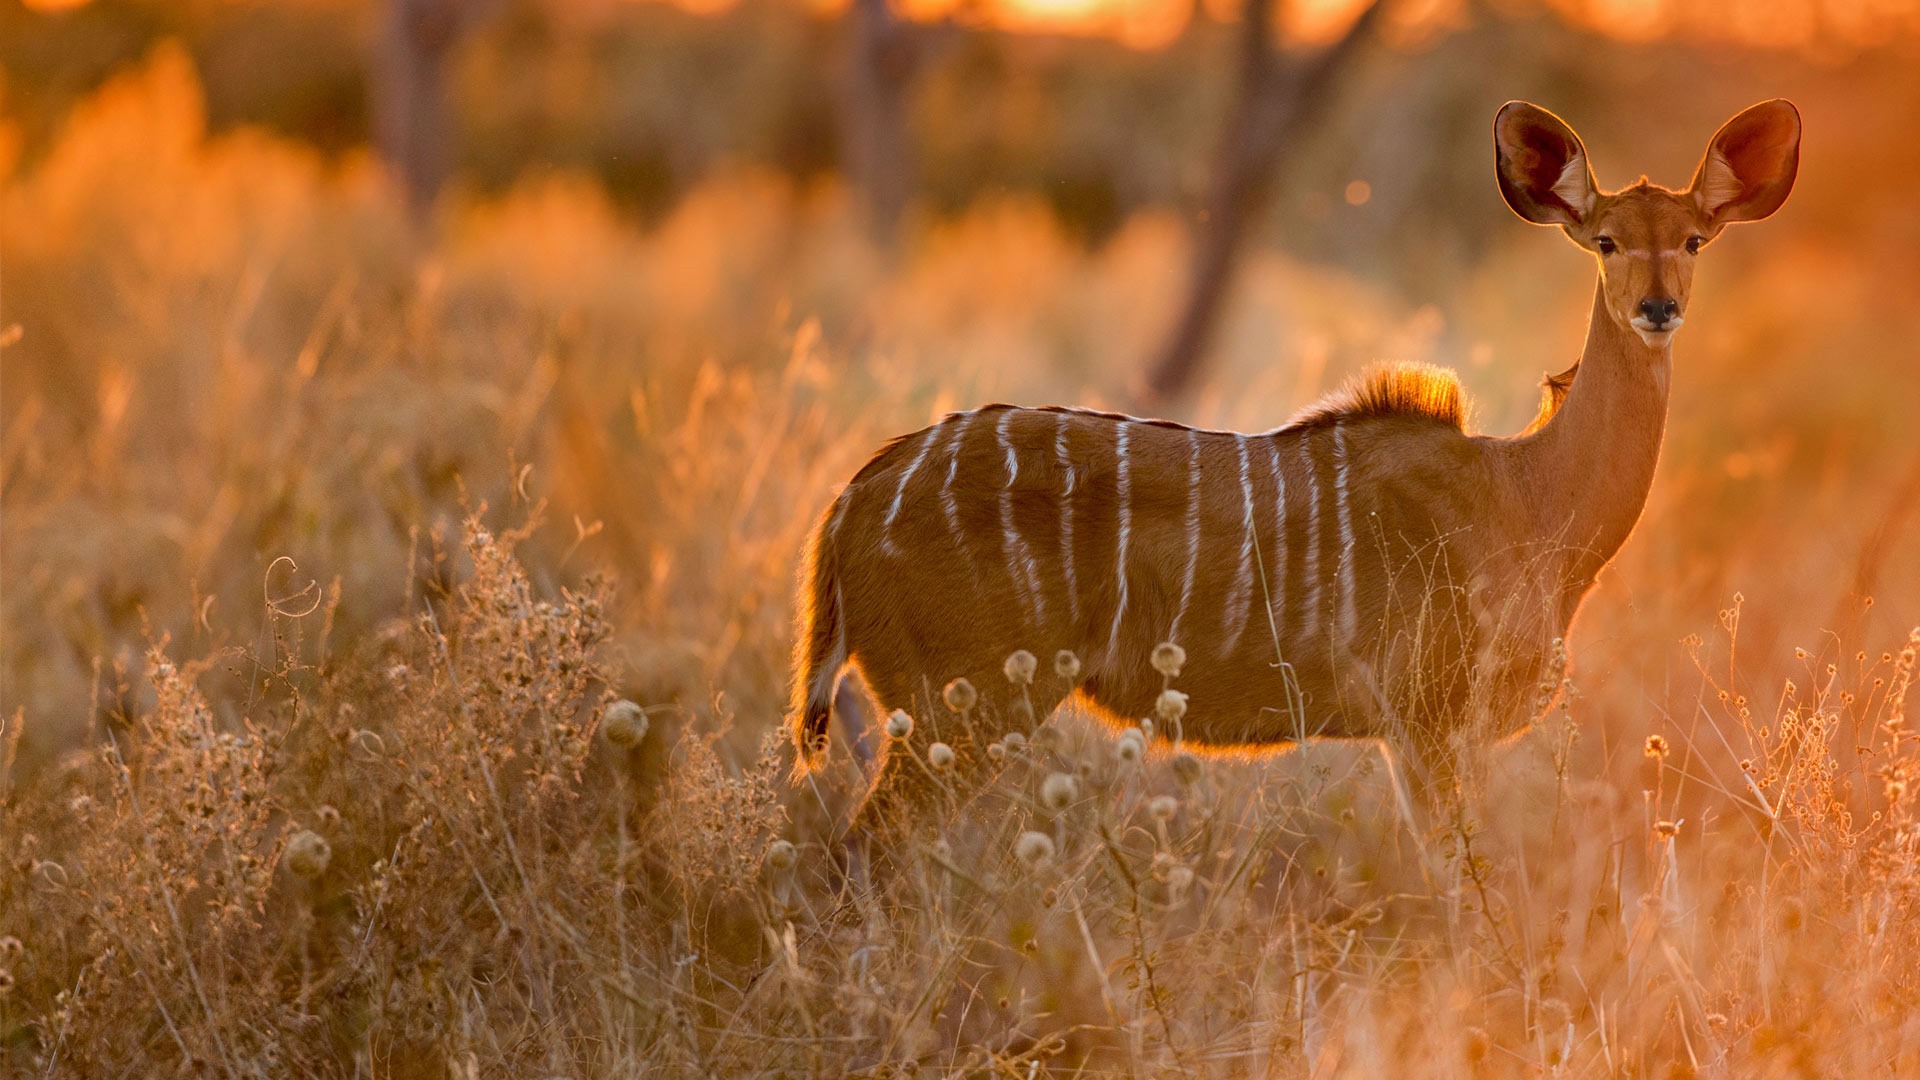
1123	485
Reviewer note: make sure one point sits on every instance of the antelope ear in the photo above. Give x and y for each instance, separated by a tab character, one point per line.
1750	164
1542	166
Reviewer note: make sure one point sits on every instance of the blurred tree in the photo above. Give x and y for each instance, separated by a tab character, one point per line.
411	122
882	55
1272	104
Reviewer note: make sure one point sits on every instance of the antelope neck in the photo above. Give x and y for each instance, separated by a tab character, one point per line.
1586	473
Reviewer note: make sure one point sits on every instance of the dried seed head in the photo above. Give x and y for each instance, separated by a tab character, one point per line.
996	751
899	725
1171	706
781	855
308	854
10	949
1033	848
1059	791
329	817
625	724
1657	747
1020	667
1478	1045
1168	868
1187	768
940	756
1791	915
1132	746
1163	807
1666	830
960	695
1066	665
1048	737
1168	659
1896	788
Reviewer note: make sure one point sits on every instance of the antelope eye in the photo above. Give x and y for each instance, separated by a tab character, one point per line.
1605	244
1693	244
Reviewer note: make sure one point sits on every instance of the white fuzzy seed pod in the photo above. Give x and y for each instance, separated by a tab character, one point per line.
960	695
1066	665
1171	706
782	855
899	725
1033	848
1059	791
1132	747
1163	807
308	854
940	756
1168	659
625	724
1020	667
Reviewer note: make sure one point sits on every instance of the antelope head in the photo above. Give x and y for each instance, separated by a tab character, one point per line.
1646	237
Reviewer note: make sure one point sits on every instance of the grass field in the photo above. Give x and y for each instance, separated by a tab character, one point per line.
331	543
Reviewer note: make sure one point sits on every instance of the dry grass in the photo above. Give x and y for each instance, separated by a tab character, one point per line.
306	766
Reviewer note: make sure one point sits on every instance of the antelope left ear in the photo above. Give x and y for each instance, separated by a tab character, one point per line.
1750	164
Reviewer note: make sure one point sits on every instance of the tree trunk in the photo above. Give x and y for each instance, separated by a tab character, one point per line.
411	119
880	61
1270	108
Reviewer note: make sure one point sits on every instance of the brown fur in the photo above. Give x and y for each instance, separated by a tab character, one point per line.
1367	570
1394	389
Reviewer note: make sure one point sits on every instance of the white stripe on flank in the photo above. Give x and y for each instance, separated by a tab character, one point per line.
947	501
900	492
1344	612
1006	447
1066	515
1315	541
1277	583
1193	533
1020	565
1124	493
1241	595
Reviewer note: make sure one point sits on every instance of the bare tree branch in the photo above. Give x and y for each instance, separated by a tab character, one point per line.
1270	109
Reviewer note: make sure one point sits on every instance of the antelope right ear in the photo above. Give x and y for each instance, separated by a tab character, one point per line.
1542	166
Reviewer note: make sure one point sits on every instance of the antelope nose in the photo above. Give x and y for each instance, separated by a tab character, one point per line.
1659	312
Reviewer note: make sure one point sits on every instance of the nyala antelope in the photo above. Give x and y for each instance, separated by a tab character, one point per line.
1367	570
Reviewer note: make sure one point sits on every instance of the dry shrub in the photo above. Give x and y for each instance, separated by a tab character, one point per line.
248	354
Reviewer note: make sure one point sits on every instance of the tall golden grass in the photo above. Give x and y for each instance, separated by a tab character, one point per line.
333	546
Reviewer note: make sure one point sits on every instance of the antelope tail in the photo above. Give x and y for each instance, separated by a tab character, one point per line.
819	649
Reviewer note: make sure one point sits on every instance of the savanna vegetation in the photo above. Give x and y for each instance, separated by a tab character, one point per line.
394	612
